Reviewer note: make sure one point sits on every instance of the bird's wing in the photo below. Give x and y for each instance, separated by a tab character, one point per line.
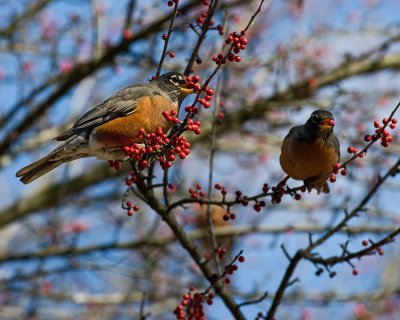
121	104
298	133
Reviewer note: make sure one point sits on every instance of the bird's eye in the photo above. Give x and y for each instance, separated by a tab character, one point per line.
177	79
314	118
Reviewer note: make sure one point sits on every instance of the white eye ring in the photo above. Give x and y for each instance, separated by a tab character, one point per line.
174	80
177	80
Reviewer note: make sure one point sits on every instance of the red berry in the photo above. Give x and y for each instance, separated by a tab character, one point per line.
128	34
171	186
210	91
243	40
351	150
297	196
332	178
376	124
355	272
385	120
241	259
367	138
172	54
217	186
394	120
365	243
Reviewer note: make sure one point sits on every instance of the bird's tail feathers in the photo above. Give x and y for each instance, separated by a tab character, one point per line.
38	168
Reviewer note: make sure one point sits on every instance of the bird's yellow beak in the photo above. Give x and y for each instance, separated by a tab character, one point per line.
327	123
186	90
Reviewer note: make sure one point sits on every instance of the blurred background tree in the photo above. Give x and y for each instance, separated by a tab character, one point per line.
68	249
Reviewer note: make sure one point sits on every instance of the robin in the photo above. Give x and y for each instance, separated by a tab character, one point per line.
310	151
114	123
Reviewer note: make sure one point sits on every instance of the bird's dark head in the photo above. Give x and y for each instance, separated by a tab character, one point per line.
320	120
174	84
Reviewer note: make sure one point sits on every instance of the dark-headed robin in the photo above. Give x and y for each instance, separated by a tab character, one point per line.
103	131
310	151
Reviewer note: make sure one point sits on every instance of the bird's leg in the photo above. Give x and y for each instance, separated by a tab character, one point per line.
318	183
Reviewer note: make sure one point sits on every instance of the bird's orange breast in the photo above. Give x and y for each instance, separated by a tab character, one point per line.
123	131
301	160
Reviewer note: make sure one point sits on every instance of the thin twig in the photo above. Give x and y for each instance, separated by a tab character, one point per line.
166	41
256	301
205	28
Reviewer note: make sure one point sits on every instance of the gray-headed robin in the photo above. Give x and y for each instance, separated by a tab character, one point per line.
114	123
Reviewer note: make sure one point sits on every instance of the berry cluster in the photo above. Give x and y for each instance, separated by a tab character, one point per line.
202	18
133	178
197	192
193	126
229	216
207	98
238	42
193	82
244	201
171	117
191	306
229	270
130	209
157	146
278	192
223	190
114	164
380	134
338	168
221	252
